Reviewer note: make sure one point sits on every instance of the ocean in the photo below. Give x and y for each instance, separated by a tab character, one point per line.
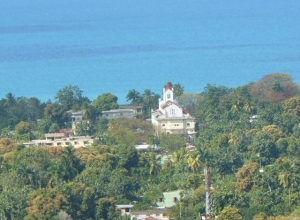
118	45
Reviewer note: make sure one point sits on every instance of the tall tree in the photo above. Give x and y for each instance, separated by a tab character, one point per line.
10	100
191	101
275	87
194	160
71	97
133	96
155	165
105	102
178	90
147	97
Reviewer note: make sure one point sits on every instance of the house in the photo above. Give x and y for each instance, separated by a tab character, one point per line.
253	118
169	200
63	133
158	214
118	113
145	147
76	118
170	118
125	209
56	140
137	109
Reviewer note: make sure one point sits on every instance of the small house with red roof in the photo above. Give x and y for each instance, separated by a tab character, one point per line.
170	118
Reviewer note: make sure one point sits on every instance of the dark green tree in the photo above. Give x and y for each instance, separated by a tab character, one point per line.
71	97
105	102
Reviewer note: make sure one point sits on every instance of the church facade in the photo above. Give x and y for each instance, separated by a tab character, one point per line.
170	118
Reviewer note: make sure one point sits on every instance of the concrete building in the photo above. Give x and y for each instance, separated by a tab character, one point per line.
124	209
169	200
170	118
137	109
118	113
76	142
150	214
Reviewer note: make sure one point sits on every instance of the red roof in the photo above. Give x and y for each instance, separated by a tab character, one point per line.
168	86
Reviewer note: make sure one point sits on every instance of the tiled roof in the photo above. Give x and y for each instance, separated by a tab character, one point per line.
168	86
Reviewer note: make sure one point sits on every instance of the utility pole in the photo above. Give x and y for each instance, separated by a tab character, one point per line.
208	198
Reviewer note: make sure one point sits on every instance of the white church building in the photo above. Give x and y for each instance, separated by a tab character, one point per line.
170	118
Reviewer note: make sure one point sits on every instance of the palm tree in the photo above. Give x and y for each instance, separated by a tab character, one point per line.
27	175
285	174
178	90
147	97
70	164
133	95
194	160
56	172
236	105
155	165
10	100
87	113
179	155
248	107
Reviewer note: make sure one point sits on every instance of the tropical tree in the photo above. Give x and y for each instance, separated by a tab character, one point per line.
292	105
194	160
155	165
45	204
10	100
13	201
178	90
89	113
70	164
191	102
57	113
105	102
230	213
275	87
106	208
147	97
133	96
172	142
285	167
71	97
23	131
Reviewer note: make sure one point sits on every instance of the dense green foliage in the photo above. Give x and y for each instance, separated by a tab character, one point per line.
249	136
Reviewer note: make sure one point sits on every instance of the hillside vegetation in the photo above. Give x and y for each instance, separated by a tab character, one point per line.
249	136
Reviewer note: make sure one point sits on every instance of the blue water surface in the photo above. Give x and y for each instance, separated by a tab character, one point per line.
117	45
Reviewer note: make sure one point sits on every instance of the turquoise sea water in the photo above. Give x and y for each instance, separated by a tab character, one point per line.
117	45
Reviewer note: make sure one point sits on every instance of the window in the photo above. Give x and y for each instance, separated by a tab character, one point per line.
127	209
174	199
188	124
160	199
163	125
75	142
121	114
168	96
